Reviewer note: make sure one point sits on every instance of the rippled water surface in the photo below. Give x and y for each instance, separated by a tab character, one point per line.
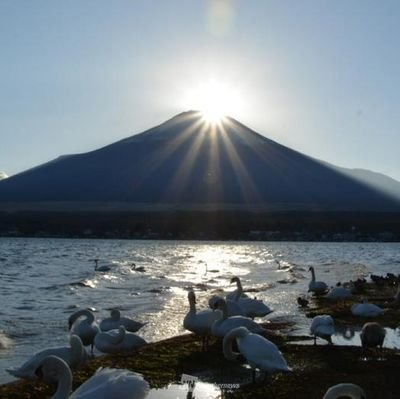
43	281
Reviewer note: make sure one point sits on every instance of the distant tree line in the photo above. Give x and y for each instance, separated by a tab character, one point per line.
309	226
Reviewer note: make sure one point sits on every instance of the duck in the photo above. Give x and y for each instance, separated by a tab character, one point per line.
107	382
113	322
137	268
372	335
317	287
366	309
259	351
322	326
82	323
352	391
302	302
252	307
200	322
338	293
116	341
74	355
225	324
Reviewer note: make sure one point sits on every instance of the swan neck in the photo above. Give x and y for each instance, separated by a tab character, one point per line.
224	308
227	345
192	305
84	312
312	274
64	385
77	351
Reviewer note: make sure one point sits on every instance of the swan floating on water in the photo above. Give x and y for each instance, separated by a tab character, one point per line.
226	324
259	352
105	383
74	356
352	391
85	328
113	322
252	307
102	268
200	322
317	287
136	268
323	327
115	341
238	293
366	309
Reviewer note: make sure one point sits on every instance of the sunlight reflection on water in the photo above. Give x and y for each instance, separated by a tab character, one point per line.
62	279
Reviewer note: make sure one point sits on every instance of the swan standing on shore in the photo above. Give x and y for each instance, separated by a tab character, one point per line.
113	322
317	287
106	383
372	335
259	352
74	356
352	391
233	307
85	328
226	324
115	341
323	327
200	322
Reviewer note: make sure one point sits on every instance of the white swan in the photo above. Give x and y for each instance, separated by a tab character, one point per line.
366	309
200	322
74	356
113	322
238	293
352	391
323	327
372	335
233	307
251	307
102	268
136	268
85	328
339	294
259	352
317	287
115	341
226	324
106	383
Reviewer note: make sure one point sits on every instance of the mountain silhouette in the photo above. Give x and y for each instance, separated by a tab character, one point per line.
188	163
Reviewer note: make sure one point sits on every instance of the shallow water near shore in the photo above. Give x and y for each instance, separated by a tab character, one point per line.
46	280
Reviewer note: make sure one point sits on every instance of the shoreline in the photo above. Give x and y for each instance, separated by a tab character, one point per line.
315	369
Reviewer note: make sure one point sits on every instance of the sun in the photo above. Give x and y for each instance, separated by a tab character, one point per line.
214	99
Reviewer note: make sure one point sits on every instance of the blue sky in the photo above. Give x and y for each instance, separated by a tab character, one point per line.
319	76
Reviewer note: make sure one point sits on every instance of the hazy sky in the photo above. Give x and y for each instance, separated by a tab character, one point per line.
320	76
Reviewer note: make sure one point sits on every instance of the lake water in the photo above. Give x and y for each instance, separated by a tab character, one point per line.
43	281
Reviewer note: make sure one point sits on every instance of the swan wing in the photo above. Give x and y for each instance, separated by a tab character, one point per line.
27	370
262	353
254	307
110	383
